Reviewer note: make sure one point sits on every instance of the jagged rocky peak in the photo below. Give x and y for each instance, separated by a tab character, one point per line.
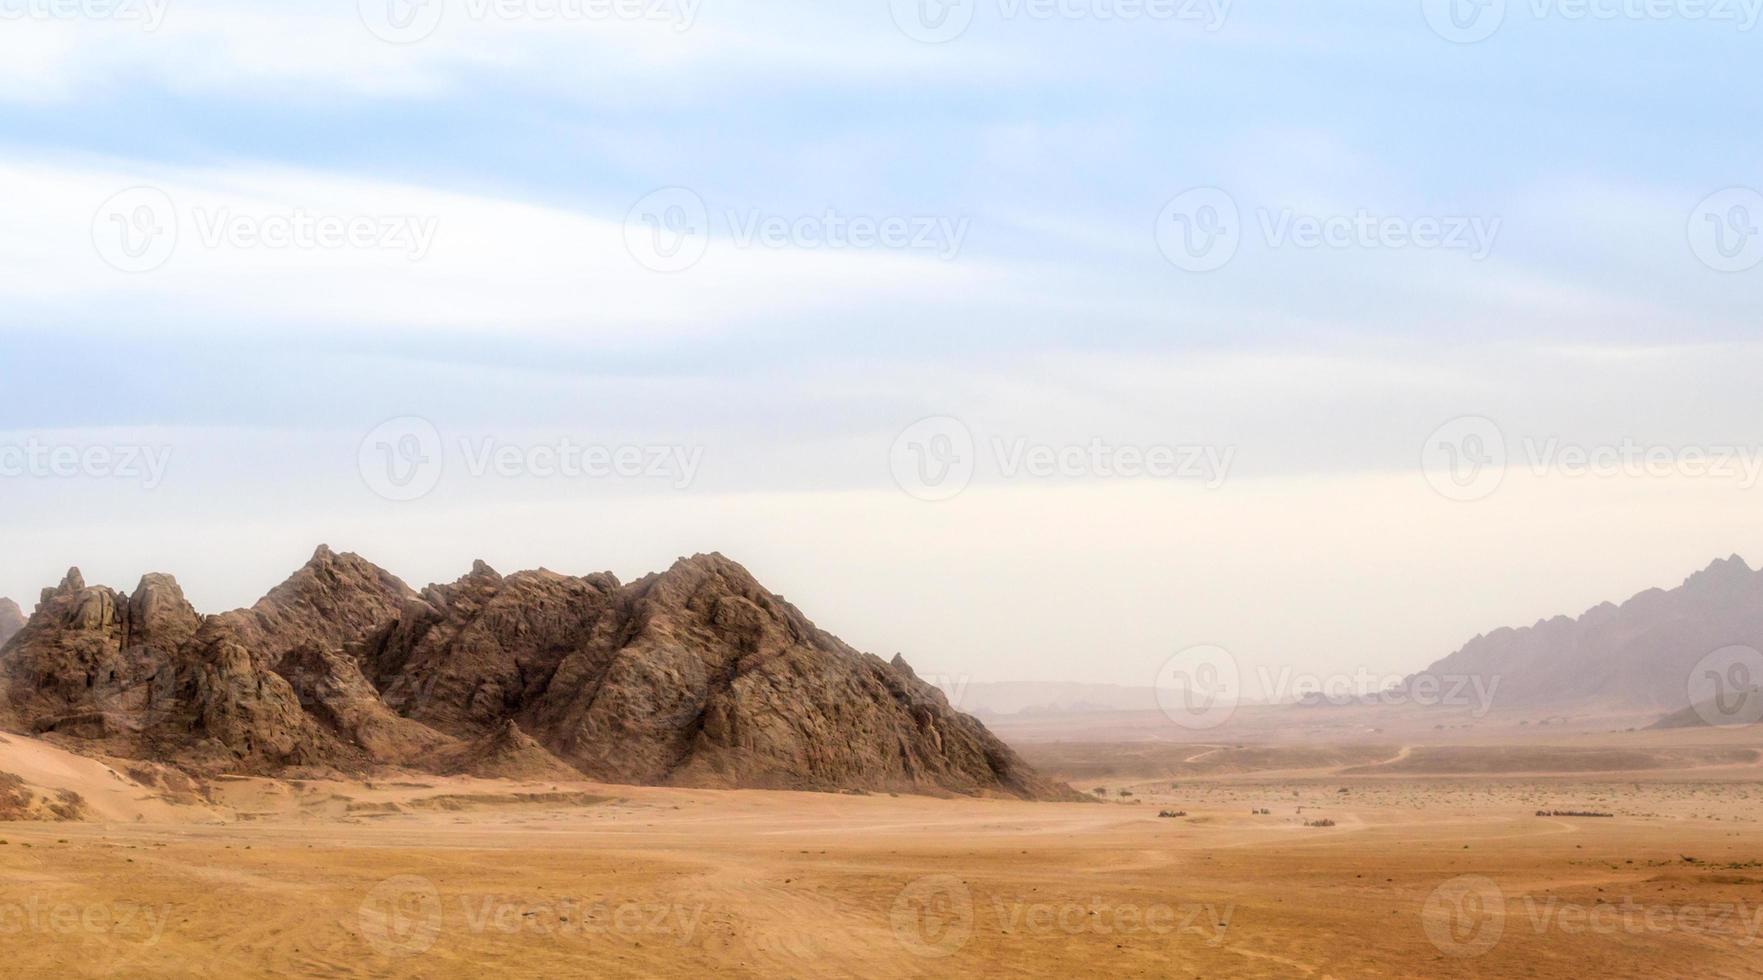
333	600
73	583
697	675
158	613
1724	573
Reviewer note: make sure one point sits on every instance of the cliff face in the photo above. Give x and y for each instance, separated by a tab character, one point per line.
695	676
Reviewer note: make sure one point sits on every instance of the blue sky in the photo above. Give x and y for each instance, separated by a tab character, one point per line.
1588	148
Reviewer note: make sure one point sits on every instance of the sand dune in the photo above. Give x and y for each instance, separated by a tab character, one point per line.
114	793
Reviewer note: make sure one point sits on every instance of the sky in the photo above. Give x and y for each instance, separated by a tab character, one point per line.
1032	339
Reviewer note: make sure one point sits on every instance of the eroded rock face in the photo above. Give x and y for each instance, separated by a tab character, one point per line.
694	676
143	674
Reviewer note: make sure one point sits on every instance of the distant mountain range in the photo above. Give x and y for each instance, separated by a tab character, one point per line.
991	699
694	676
1644	654
1651	654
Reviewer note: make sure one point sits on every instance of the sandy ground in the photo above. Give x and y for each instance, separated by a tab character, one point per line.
1422	874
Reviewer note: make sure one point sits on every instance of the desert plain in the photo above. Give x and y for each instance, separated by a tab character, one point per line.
1293	847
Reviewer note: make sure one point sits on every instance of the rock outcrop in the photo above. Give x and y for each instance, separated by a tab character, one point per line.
695	676
506	753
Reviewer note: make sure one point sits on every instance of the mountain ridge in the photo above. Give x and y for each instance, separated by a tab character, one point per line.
1637	654
695	675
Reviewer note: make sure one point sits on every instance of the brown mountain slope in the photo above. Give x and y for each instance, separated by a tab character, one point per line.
1638	655
11	619
695	676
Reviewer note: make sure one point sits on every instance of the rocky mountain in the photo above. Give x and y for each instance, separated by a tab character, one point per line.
1639	655
694	676
11	619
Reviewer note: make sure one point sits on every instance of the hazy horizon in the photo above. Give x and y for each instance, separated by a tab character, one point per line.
323	273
